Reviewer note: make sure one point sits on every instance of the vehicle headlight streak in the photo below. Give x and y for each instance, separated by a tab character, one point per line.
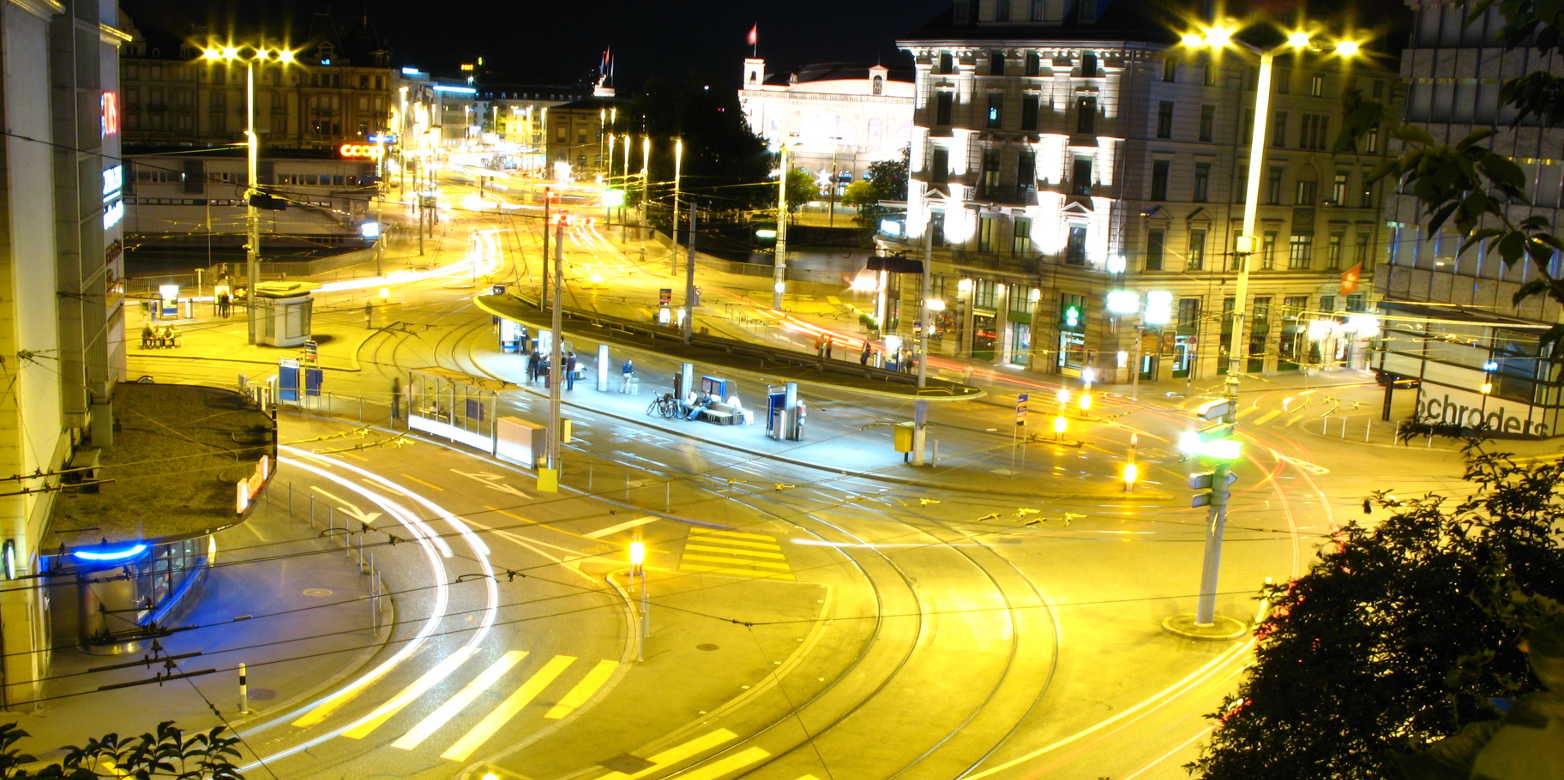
489	257
431	543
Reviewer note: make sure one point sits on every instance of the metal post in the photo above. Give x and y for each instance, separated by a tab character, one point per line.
689	282
543	286
1205	608
244	689
556	362
1367	426
1135	366
673	229
331	520
252	246
312	510
920	335
667	494
779	269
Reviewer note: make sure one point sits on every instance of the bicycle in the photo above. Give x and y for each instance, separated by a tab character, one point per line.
665	406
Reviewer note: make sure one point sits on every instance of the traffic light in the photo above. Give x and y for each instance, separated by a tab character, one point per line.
1214	441
1216	493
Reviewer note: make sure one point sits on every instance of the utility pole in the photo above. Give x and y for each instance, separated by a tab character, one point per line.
921	337
543	288
779	270
252	246
689	282
556	364
673	230
1140	338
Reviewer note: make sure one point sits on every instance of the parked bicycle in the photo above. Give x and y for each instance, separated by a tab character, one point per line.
665	406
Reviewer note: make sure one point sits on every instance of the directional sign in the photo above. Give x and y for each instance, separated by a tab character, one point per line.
1021	400
491	481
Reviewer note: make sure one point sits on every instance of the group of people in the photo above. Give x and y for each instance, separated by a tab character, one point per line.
538	367
155	338
900	360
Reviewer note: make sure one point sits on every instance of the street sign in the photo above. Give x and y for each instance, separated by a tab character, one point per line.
1021	400
665	296
311	352
312	381
1214	410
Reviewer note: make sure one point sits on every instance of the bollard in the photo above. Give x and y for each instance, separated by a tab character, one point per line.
627	485
290	498
244	690
362	569
589	478
667	495
1430	444
312	510
1367	426
1343	427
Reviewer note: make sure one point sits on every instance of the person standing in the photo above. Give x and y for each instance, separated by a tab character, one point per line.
625	374
864	357
396	398
803	411
828	343
570	371
532	366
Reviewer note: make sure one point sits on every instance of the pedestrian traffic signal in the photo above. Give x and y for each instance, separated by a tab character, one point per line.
1215	442
1217	492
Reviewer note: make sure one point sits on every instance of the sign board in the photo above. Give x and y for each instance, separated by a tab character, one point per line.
1439	404
288	380
361	151
1021	400
245	489
312	381
665	296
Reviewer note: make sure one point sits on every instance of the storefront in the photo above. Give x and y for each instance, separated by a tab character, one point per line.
114	594
1072	334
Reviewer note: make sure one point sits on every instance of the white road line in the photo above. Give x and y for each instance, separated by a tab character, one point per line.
625	526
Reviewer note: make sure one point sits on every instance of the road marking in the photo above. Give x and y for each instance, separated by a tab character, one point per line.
726	764
366	518
1247	410
705	539
735	572
457	703
676	754
736	551
491	481
1268	416
625	526
429	485
367	724
734	534
513	704
583	690
726	559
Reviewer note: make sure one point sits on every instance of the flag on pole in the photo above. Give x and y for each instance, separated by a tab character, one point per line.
1350	279
754	34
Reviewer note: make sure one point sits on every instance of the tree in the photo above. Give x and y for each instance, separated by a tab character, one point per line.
801	189
169	752
889	177
1399	633
860	194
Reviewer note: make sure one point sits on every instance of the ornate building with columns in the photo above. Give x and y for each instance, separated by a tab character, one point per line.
834	116
1061	150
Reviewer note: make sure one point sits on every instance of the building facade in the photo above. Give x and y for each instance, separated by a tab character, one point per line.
1057	155
833	117
1454	71
61	314
576	134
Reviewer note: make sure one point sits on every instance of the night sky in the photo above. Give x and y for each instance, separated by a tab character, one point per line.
561	42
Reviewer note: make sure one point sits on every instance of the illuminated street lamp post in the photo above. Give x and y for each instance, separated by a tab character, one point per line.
779	264
252	247
1216	39
673	228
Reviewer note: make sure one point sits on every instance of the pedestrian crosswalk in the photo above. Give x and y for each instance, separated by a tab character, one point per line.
500	691
671	757
734	553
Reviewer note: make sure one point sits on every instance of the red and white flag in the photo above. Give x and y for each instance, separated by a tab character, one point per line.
754	34
1350	279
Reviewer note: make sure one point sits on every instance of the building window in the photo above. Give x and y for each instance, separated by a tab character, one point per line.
1305	192
1029	112
1075	250
1033	63
1333	251
1165	119
1159	179
995	102
1279	130
1273	186
996	62
1355	303
939	165
1207	122
942	103
1327	303
1300	251
1021	236
1361	254
1315	128
983	294
1366	197
1195	258
1371	140
1081	178
988	184
1208	74
1268	250
1085	114
1202	181
1040	10
1002	11
1317	85
1089	64
1155	242
1283	81
937	228
1026	169
947	63
1188	316
1338	189
986	233
1169	69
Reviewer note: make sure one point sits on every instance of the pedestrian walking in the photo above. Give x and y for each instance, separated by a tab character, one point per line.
625	373
864	358
396	398
369	314
570	371
828	343
532	366
222	304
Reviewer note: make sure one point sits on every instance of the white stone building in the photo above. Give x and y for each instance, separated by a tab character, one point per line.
1059	154
834	117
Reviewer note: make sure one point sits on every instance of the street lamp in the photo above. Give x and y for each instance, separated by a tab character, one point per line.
779	262
1216	39
673	228
250	55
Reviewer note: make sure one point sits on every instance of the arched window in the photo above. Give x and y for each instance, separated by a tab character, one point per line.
752	75
879	84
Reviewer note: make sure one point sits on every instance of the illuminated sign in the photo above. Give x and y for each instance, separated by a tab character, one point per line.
362	151
108	107
248	487
455	89
101	554
1159	307
113	186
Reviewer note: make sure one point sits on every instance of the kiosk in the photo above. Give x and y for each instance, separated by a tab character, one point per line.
283	313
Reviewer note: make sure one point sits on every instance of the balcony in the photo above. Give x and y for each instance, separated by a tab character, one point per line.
1012	195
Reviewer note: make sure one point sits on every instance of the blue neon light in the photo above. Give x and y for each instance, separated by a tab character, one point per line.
458	90
406	71
110	554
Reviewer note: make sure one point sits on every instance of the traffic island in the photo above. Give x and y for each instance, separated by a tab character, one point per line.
708	350
1220	629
